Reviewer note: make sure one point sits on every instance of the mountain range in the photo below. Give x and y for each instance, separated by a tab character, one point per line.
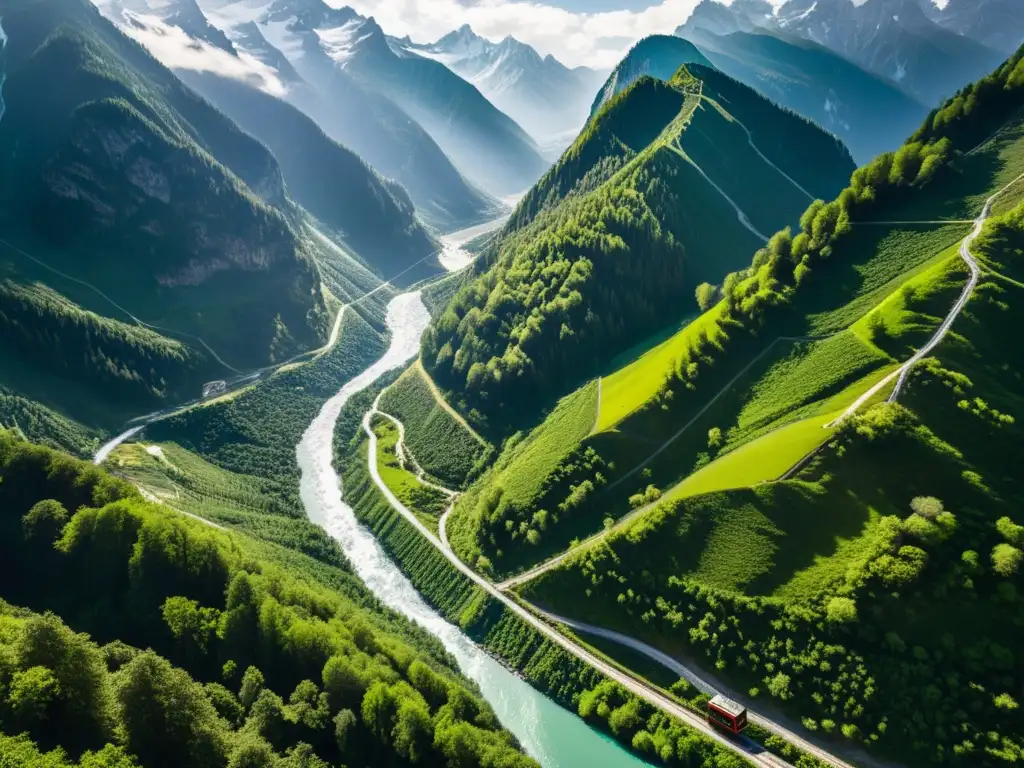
901	40
712	392
186	249
544	96
994	23
349	61
235	48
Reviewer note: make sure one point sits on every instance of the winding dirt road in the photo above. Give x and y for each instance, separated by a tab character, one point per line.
901	373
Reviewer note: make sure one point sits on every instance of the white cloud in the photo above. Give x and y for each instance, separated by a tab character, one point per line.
176	50
594	39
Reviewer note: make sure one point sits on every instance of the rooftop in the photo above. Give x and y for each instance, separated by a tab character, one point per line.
727	705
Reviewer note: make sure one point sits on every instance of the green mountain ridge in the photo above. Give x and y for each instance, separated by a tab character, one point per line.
659	56
614	236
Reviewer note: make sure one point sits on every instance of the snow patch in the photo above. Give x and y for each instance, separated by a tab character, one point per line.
156	450
340	42
806	13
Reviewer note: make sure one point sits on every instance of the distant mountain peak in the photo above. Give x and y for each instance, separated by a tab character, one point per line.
310	14
718	19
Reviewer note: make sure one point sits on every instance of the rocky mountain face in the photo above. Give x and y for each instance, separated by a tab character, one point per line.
544	96
997	24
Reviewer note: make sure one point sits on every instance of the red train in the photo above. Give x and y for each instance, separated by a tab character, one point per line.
727	714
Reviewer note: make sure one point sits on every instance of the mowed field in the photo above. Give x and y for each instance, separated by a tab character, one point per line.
628	388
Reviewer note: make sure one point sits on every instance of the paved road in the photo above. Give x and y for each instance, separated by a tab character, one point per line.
700	681
636	686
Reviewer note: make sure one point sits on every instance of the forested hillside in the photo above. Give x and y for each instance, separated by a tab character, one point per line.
147	243
373	215
786	348
132	636
873	594
669	186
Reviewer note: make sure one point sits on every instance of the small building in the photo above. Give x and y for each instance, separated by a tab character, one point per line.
727	714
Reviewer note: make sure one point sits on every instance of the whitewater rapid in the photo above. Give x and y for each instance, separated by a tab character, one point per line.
553	736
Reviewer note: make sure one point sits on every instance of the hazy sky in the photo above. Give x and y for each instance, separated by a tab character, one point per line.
592	32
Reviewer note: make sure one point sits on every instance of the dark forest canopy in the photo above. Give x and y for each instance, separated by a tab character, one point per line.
248	663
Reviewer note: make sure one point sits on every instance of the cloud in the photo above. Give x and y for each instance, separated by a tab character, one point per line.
593	39
173	48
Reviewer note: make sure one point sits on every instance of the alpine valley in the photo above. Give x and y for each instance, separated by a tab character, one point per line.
507	385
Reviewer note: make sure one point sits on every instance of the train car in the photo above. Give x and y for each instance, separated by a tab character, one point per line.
727	714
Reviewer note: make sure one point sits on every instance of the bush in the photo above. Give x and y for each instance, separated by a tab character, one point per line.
841	610
927	507
1006	559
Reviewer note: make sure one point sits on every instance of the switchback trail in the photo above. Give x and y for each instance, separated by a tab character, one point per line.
901	373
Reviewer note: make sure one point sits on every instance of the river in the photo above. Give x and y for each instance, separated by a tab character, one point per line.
549	733
453	256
